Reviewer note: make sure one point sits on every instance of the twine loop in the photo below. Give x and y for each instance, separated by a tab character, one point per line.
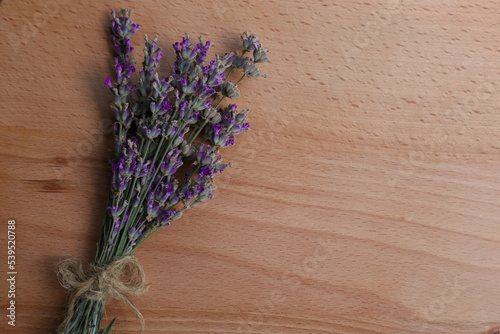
101	282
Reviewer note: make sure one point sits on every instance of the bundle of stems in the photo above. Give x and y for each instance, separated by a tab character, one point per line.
168	133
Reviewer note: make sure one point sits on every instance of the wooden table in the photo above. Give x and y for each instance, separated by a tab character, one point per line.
364	200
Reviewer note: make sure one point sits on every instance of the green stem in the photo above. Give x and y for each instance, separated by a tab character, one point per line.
87	317
229	73
237	82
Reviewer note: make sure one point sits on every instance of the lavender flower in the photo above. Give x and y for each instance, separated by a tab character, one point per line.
230	90
163	124
260	54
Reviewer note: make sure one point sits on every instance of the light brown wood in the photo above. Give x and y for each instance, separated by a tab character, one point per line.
364	200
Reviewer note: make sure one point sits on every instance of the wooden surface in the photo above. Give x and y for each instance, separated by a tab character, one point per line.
364	200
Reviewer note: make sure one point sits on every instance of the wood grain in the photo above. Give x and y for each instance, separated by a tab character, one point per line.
364	200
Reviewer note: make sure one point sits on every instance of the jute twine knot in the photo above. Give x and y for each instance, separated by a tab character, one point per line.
101	283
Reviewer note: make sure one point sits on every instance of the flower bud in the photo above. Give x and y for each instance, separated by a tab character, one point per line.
252	70
260	54
178	141
187	150
132	233
215	119
249	41
230	90
177	215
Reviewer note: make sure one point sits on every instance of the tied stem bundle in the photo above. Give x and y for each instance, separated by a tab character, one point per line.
168	135
100	283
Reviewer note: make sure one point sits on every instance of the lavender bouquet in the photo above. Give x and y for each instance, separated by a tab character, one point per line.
168	133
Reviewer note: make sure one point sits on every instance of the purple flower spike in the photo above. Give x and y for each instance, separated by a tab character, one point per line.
165	218
135	27
250	42
152	210
108	83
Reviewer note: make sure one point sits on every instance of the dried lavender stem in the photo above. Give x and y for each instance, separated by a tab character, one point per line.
146	190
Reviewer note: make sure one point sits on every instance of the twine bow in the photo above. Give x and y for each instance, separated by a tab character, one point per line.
100	283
